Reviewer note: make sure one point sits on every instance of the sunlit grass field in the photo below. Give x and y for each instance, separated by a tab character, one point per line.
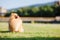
37	31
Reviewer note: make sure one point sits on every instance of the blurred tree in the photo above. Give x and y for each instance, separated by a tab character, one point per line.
38	11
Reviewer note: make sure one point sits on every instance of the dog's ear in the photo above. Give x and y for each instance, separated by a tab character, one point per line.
13	13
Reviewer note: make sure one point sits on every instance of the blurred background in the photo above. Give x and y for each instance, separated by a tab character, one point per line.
41	19
35	11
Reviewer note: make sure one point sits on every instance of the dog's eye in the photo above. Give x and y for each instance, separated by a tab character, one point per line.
16	17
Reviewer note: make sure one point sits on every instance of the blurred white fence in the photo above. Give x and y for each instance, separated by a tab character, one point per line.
6	19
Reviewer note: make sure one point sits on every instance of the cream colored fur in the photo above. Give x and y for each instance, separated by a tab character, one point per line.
15	23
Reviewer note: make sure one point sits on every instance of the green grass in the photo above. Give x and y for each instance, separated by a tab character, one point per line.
32	32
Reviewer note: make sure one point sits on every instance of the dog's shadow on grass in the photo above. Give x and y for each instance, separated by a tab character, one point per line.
8	32
4	31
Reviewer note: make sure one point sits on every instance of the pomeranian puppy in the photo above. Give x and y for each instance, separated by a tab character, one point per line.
15	23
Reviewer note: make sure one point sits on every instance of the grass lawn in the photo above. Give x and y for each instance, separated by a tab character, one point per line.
32	32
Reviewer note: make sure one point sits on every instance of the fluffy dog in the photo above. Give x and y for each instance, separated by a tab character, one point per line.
15	23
